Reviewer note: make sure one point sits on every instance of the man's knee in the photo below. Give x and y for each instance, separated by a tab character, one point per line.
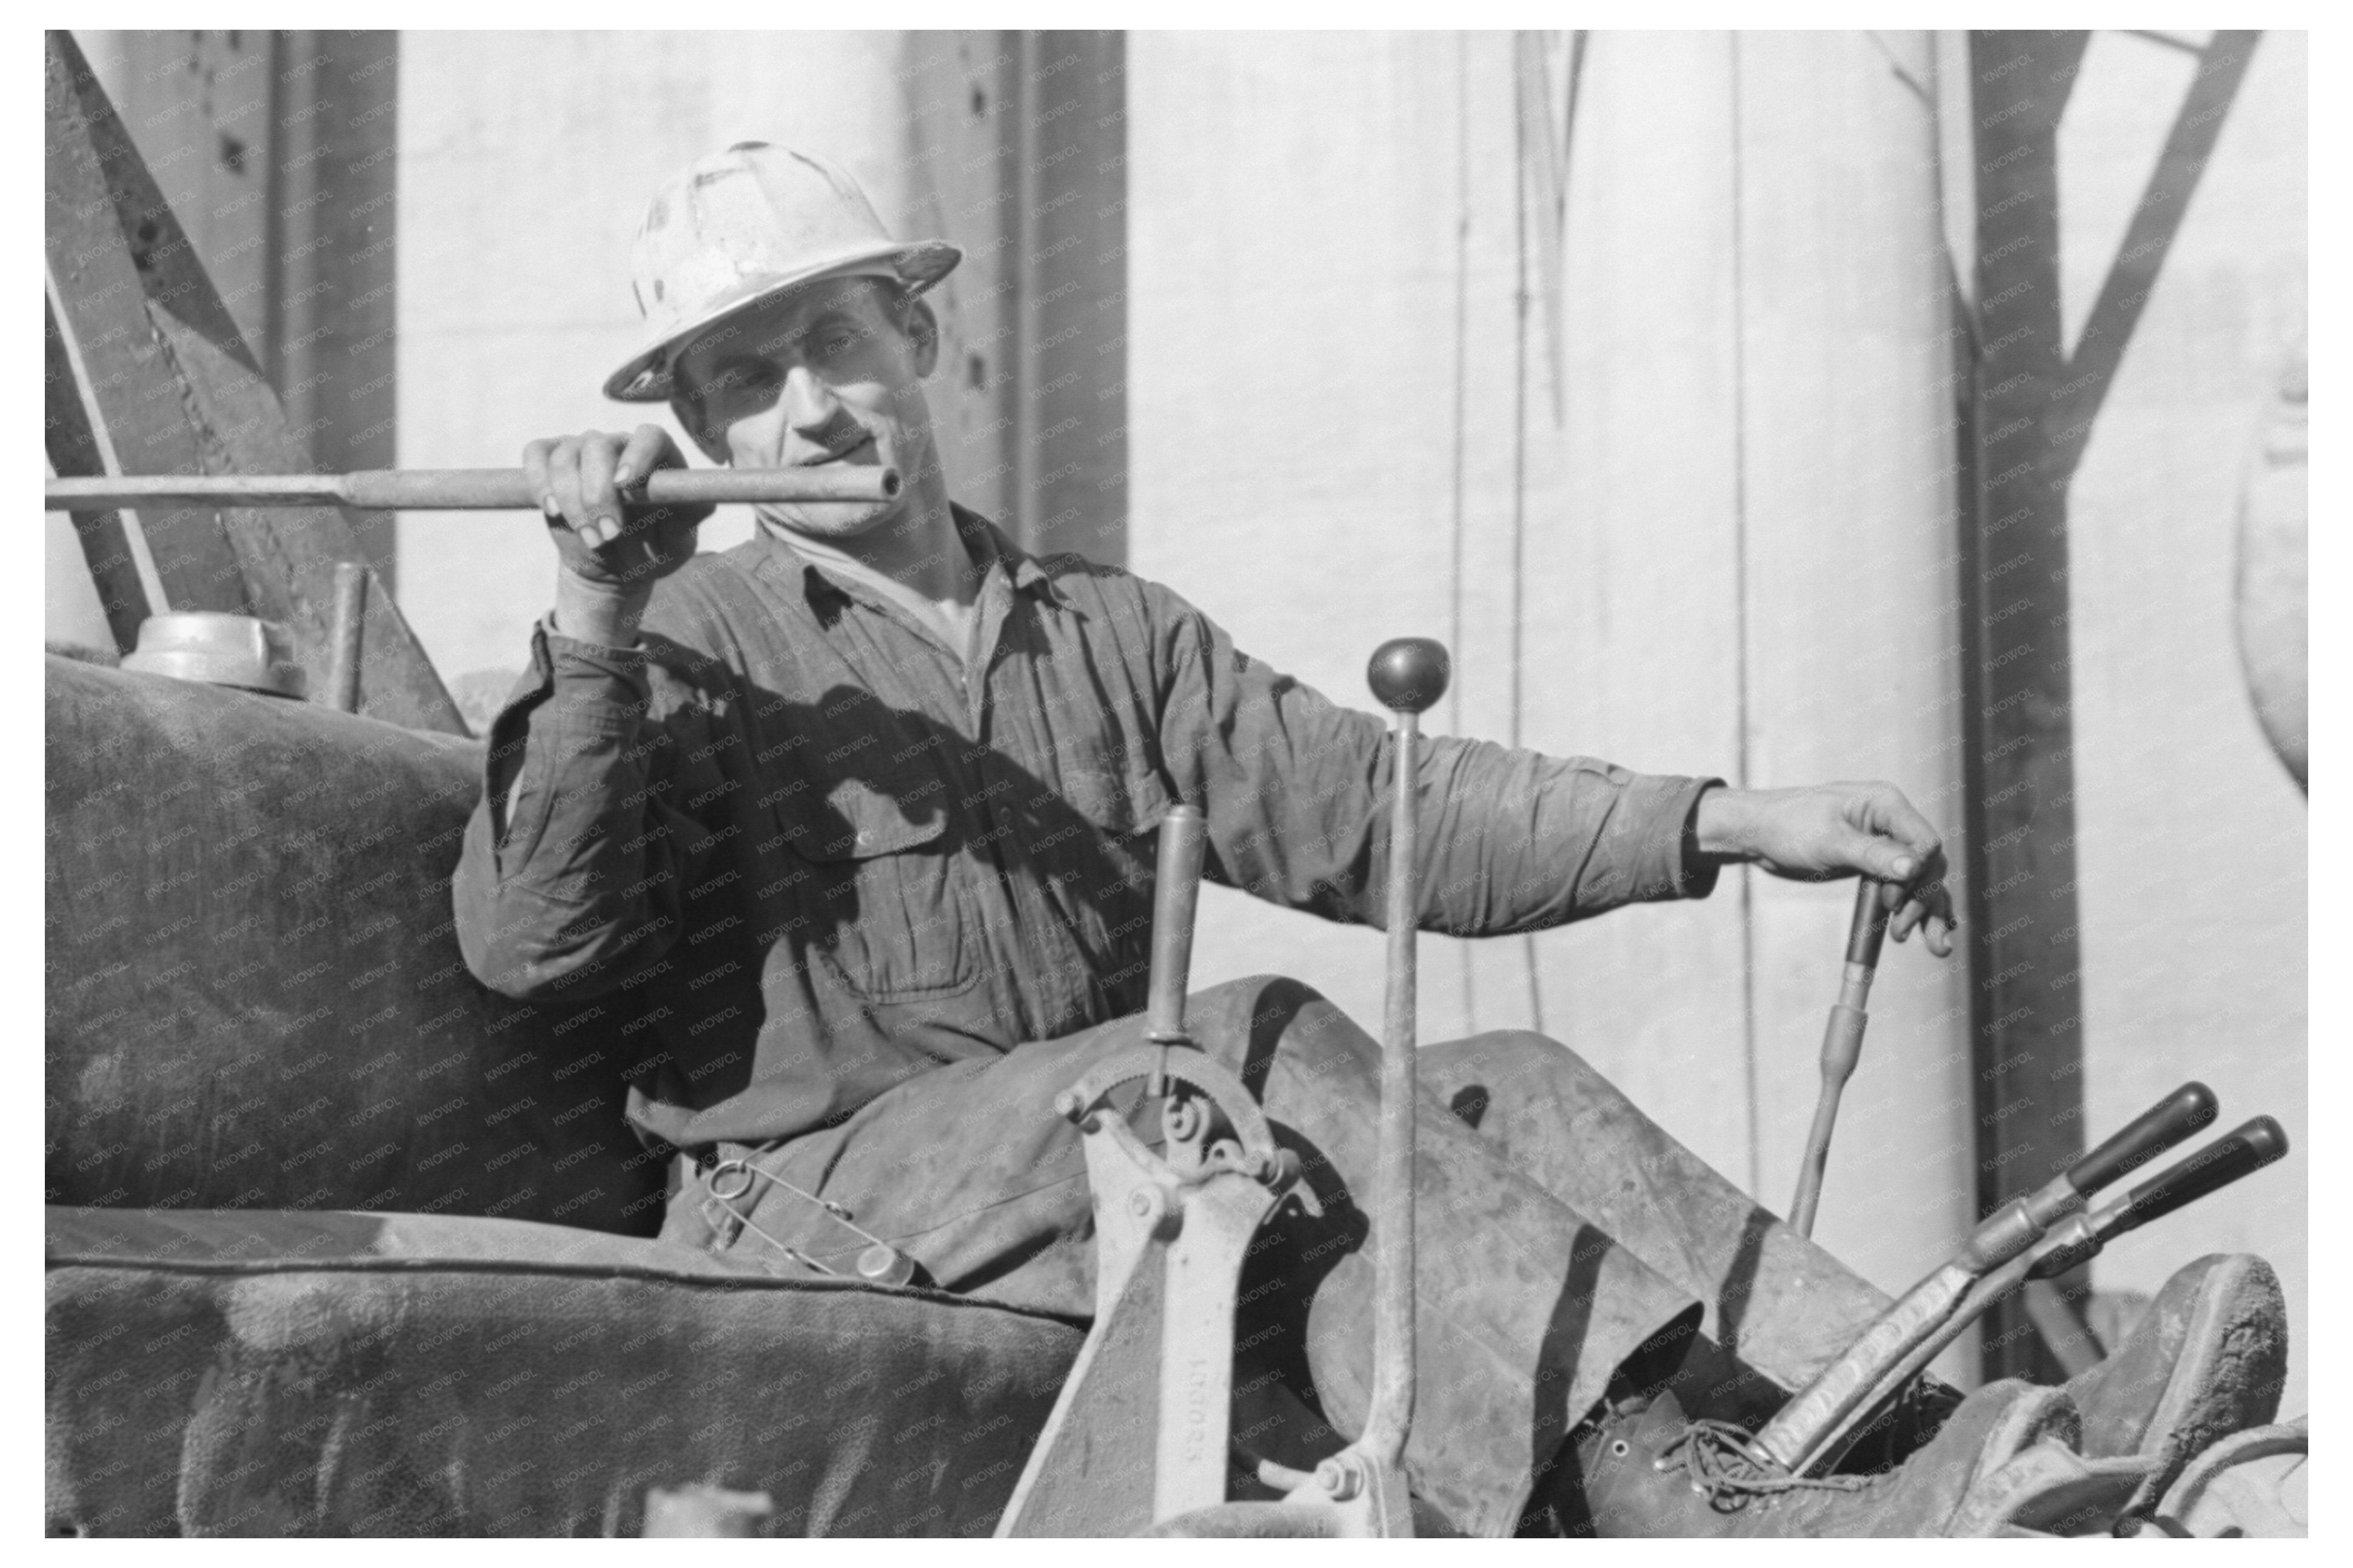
1250	1023
1506	1062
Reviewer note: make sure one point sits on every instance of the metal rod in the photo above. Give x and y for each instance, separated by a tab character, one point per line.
462	489
1393	1324
351	611
1407	674
1841	1048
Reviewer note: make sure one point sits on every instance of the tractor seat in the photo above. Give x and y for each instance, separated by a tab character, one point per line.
324	1373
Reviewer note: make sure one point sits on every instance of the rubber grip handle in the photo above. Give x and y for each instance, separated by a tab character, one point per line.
1177	892
2239	1152
1870	925
2147	1136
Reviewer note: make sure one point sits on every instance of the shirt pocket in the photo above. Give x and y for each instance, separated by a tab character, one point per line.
871	886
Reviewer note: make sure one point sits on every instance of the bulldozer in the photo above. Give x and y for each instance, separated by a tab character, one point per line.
340	1242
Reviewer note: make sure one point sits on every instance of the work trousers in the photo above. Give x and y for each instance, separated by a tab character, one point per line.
1561	1237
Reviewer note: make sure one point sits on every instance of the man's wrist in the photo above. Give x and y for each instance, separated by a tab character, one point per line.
604	614
1719	824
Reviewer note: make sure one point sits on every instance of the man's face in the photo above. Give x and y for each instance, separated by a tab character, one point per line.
829	374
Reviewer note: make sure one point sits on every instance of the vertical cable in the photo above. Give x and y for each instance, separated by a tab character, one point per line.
1017	107
1740	635
1461	396
1520	450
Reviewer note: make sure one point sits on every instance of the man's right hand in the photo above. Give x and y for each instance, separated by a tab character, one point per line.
612	548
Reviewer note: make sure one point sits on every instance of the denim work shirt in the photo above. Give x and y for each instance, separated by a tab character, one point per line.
815	851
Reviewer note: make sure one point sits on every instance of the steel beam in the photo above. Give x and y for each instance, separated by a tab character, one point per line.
2033	408
74	451
1067	142
171	384
331	254
2018	752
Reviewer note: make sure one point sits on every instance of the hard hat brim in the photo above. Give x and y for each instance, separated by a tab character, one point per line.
646	377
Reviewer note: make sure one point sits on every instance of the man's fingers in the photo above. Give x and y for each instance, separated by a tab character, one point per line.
599	454
1936	930
1930	913
563	484
647	446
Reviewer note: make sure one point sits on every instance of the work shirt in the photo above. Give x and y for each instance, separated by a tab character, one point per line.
815	851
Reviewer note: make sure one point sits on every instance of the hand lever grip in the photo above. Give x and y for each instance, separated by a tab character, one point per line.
1177	892
2238	1153
2147	1136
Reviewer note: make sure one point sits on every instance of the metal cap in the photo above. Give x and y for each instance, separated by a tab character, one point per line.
745	224
220	649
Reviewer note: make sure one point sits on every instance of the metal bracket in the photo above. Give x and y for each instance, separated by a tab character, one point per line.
1141	1431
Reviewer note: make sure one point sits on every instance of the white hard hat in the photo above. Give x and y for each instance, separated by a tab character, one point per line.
743	226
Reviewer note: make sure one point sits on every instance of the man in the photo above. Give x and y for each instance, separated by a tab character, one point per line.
857	817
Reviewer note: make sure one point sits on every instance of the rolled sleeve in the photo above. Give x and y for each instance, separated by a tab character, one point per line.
1513	841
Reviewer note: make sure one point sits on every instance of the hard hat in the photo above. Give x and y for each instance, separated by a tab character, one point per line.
221	649
742	226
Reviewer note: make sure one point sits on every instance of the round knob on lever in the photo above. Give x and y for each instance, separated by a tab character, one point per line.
1408	675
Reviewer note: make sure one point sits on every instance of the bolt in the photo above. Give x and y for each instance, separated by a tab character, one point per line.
1338	1480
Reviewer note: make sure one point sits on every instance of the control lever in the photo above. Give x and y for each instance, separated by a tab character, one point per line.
1408	675
1140	1434
1365	1482
1826	1405
2238	1153
1842	1046
2073	1242
1176	895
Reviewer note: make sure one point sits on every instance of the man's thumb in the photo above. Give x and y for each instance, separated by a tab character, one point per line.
1882	858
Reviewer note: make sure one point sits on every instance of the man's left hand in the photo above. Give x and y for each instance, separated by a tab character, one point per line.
1829	831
